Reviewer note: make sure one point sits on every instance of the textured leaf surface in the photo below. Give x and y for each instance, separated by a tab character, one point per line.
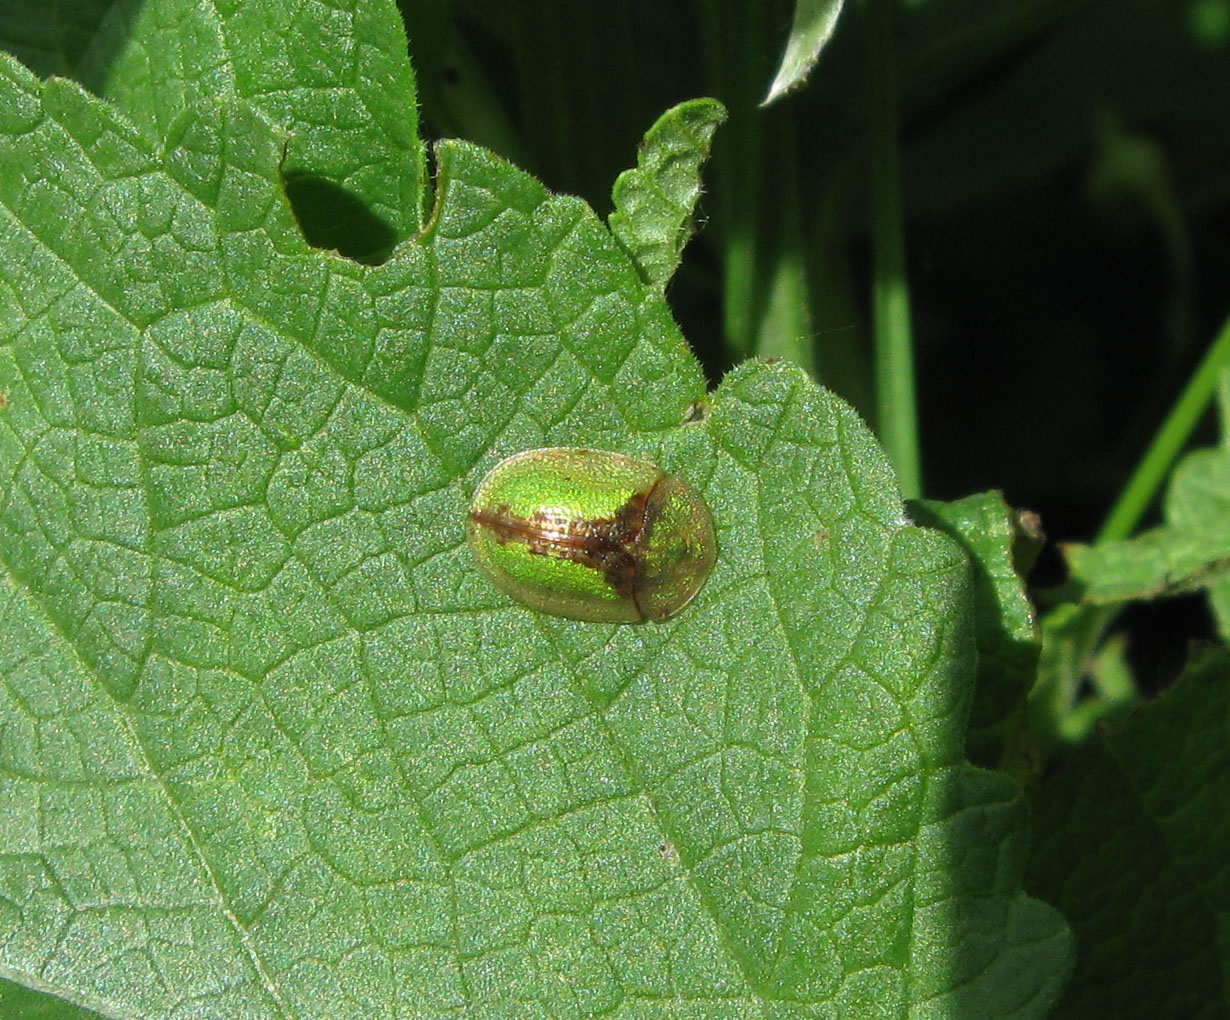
273	747
333	76
18	1002
1005	625
1131	838
654	203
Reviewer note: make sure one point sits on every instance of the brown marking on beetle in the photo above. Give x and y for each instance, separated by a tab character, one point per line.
610	545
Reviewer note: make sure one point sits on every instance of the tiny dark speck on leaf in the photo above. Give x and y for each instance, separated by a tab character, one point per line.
821	537
698	412
4	400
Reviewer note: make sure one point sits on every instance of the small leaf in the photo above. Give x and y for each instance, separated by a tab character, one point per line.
1191	551
652	220
1007	630
814	24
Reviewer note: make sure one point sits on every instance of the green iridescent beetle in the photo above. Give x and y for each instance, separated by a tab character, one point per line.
591	535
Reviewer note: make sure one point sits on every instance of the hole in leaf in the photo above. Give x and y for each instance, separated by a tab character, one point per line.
335	220
1162	633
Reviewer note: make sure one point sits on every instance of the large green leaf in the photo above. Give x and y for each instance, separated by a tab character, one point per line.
1129	847
272	746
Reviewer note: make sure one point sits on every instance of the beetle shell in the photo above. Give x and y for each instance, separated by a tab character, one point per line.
591	535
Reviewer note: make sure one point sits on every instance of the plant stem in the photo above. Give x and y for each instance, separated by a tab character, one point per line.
1168	443
733	33
897	422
